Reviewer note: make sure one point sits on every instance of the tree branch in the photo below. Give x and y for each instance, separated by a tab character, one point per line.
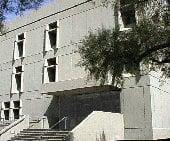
161	62
153	49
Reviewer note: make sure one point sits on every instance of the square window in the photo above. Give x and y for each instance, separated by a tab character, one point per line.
51	70
18	69
16	104
7	105
53	25
51	61
21	36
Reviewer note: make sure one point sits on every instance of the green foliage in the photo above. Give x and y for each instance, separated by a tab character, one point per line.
110	51
16	6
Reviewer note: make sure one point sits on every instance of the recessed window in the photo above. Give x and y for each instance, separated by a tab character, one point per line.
19	49
6	114
6	110
17	79
51	36
16	104
21	37
51	70
7	105
11	110
127	13
16	109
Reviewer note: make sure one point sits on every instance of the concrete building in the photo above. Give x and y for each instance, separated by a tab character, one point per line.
39	77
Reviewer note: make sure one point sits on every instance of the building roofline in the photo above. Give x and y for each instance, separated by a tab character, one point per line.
39	19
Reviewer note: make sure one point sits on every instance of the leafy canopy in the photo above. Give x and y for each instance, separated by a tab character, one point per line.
17	7
114	52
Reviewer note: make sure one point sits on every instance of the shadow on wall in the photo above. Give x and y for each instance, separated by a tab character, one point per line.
52	111
77	107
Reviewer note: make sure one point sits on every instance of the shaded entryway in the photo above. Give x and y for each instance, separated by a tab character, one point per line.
78	107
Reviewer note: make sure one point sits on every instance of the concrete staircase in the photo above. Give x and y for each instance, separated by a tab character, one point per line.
41	135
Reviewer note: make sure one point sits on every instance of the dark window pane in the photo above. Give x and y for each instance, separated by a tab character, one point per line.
51	74
53	25
16	113
20	49
128	17
7	104
21	36
18	69
16	104
52	37
51	61
18	81
6	113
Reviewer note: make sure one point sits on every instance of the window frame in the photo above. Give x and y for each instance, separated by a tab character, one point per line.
47	66
10	110
48	46
124	9
14	88
16	54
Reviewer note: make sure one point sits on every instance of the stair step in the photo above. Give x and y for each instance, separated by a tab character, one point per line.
44	130
41	134
45	133
37	136
26	138
25	133
21	139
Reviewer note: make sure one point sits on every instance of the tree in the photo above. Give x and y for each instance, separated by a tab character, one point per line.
114	52
17	7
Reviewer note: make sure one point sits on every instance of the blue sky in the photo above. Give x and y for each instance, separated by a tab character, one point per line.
11	16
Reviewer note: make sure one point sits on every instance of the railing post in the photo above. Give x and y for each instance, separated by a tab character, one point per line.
65	123
43	119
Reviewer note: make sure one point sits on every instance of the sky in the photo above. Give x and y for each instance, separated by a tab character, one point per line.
12	16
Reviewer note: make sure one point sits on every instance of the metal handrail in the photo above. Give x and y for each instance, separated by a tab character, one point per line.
58	122
3	121
12	124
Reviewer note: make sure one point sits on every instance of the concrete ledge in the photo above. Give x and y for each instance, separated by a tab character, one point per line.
161	133
74	86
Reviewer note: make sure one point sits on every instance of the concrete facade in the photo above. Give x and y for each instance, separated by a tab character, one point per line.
70	16
37	97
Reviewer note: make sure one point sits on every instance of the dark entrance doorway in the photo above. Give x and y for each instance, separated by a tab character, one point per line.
78	107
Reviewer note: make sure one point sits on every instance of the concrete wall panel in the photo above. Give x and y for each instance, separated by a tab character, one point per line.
64	67
65	31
